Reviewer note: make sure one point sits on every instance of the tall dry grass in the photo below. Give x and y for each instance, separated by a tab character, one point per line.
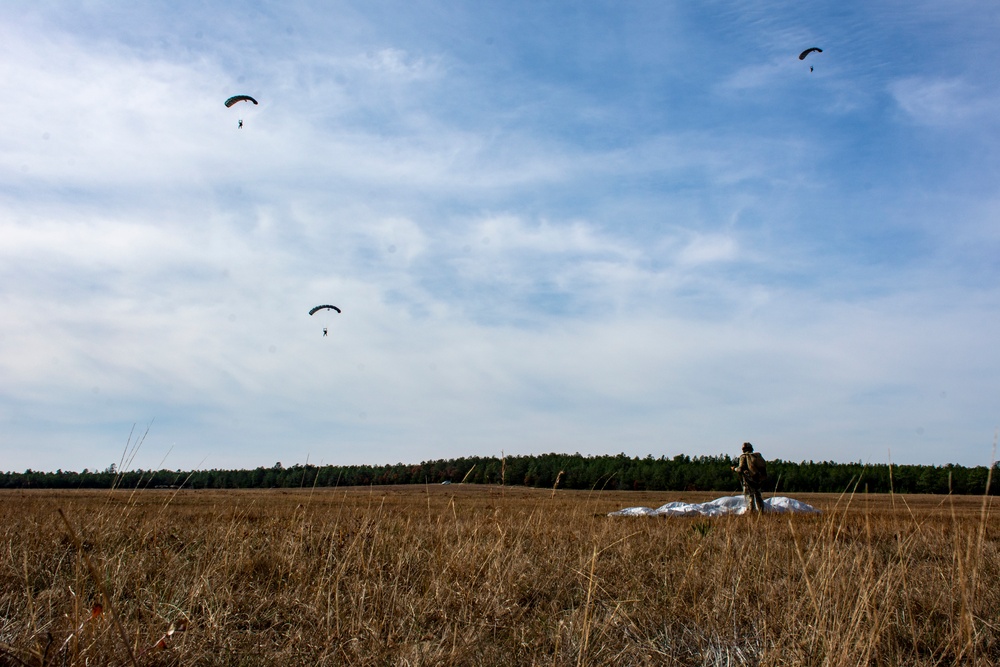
490	576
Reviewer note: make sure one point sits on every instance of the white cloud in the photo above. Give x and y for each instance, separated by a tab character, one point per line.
943	101
705	249
398	64
757	76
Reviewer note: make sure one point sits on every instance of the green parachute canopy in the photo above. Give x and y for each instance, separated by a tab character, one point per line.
319	308
239	98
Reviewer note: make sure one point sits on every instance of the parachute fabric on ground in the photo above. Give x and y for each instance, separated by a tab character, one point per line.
239	98
720	507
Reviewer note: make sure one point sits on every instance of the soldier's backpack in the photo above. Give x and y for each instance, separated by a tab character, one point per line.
758	467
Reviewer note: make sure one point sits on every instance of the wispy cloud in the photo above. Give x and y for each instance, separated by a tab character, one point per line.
944	102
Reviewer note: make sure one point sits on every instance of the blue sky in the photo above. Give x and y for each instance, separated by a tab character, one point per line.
602	227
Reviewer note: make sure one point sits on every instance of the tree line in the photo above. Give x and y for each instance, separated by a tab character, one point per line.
569	471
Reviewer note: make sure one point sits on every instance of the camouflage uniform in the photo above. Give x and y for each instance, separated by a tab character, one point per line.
751	489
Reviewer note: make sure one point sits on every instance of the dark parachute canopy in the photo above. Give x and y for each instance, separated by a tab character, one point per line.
318	308
239	98
802	56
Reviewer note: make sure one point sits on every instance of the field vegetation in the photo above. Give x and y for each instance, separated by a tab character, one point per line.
491	575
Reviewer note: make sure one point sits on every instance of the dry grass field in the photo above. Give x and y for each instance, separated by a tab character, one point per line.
473	575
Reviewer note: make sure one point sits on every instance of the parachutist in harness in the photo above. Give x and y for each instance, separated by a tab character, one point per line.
315	310
815	49
239	98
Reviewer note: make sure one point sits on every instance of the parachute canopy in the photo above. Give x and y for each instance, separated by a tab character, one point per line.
239	98
318	308
802	56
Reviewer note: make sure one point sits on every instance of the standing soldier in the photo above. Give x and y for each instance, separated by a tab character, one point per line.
752	470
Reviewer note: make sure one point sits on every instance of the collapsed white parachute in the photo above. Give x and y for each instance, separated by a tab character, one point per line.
719	507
